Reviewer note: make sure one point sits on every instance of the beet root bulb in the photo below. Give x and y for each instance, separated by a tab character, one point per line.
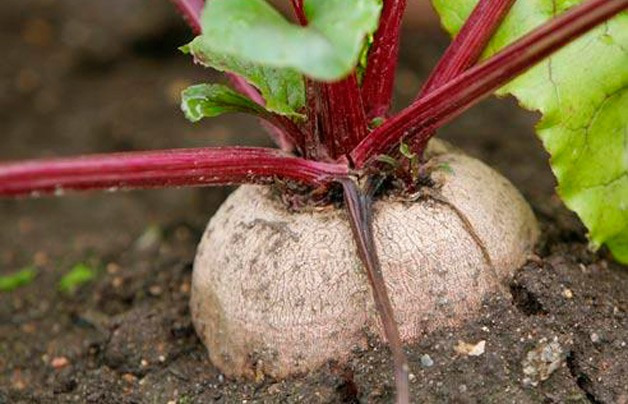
281	293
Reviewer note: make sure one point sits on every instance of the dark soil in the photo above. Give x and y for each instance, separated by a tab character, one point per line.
95	79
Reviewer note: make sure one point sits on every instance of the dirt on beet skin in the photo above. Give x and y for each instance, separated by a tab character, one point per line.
78	81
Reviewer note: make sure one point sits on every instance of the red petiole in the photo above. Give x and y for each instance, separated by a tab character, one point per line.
464	51
379	78
297	5
469	44
165	168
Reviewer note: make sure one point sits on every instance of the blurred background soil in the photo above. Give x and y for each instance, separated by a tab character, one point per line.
104	75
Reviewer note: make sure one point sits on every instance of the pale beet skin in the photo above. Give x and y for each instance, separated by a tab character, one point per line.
282	293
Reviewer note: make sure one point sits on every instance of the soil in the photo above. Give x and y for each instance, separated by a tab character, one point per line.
95	79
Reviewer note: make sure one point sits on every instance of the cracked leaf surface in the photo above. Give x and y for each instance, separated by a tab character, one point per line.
582	93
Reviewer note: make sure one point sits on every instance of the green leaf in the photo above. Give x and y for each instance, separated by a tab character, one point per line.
376	122
282	89
77	276
385	158
252	31
18	279
582	93
360	69
404	149
209	100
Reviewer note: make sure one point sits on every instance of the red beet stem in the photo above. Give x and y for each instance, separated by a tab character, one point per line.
297	5
379	78
341	119
464	51
177	167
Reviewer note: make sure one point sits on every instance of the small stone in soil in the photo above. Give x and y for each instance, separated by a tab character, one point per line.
59	362
149	239
113	268
542	361
185	288
426	361
155	290
17	380
465	348
129	378
40	259
117	282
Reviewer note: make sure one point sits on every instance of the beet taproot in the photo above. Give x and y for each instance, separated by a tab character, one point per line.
280	293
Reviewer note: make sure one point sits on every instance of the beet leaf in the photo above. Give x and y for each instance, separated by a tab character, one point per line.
283	90
209	100
326	49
